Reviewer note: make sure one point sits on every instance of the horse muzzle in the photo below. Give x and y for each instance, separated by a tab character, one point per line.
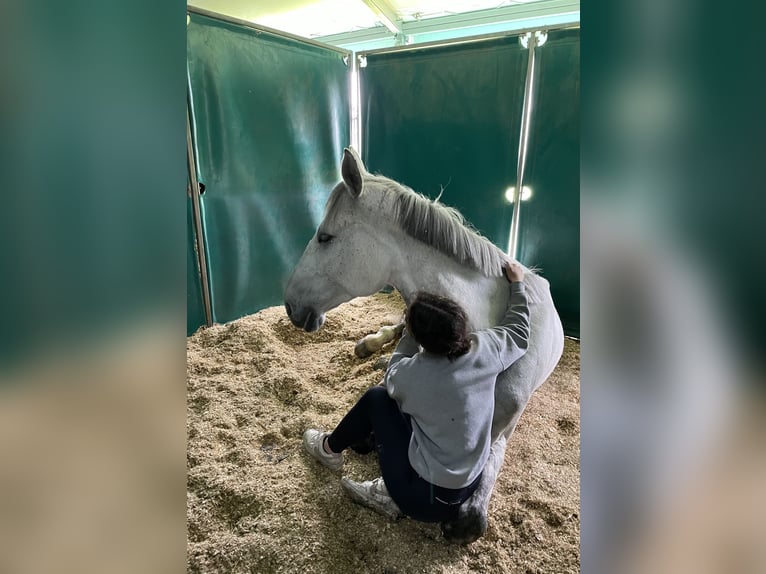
304	317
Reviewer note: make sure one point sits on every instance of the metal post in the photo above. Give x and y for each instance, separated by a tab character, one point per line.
199	236
355	104
526	119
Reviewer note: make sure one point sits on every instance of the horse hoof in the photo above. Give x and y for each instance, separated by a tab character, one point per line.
465	529
361	349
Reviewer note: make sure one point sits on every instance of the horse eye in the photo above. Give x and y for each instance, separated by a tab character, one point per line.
324	238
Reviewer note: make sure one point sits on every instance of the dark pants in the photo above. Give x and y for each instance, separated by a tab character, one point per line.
378	416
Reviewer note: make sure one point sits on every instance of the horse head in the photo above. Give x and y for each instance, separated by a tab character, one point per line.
347	257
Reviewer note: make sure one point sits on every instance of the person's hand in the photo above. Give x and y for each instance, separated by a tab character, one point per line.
514	272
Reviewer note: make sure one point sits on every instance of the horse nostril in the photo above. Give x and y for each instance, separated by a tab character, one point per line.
288	309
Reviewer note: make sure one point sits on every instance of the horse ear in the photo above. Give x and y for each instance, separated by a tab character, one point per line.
352	170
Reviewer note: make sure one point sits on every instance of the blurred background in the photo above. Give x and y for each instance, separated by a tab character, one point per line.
672	266
92	378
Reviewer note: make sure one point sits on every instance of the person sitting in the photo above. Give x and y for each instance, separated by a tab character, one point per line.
431	421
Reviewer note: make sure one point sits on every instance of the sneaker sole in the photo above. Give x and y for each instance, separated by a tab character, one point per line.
362	499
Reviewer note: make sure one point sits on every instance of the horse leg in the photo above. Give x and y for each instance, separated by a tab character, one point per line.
370	344
471	523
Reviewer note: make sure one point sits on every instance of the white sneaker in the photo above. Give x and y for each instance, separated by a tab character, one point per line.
372	494
313	442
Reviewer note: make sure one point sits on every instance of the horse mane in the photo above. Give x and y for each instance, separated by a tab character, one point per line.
446	230
443	228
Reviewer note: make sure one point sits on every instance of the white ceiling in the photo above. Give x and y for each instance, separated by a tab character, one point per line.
418	9
302	17
314	18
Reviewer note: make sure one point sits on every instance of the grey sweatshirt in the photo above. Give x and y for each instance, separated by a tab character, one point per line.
451	402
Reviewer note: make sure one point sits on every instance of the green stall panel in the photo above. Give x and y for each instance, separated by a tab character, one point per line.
271	118
549	231
195	309
449	117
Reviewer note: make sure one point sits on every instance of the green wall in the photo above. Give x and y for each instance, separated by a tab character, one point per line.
549	231
271	121
451	116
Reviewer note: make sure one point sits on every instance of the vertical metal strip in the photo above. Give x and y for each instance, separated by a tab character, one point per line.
355	104
526	120
199	236
353	96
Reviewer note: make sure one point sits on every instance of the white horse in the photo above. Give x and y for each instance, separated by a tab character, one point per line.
376	232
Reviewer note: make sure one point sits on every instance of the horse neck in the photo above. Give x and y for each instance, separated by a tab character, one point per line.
420	267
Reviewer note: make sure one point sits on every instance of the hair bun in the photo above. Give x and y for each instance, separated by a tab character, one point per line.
439	325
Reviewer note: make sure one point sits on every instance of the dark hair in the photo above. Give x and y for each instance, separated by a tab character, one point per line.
439	325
